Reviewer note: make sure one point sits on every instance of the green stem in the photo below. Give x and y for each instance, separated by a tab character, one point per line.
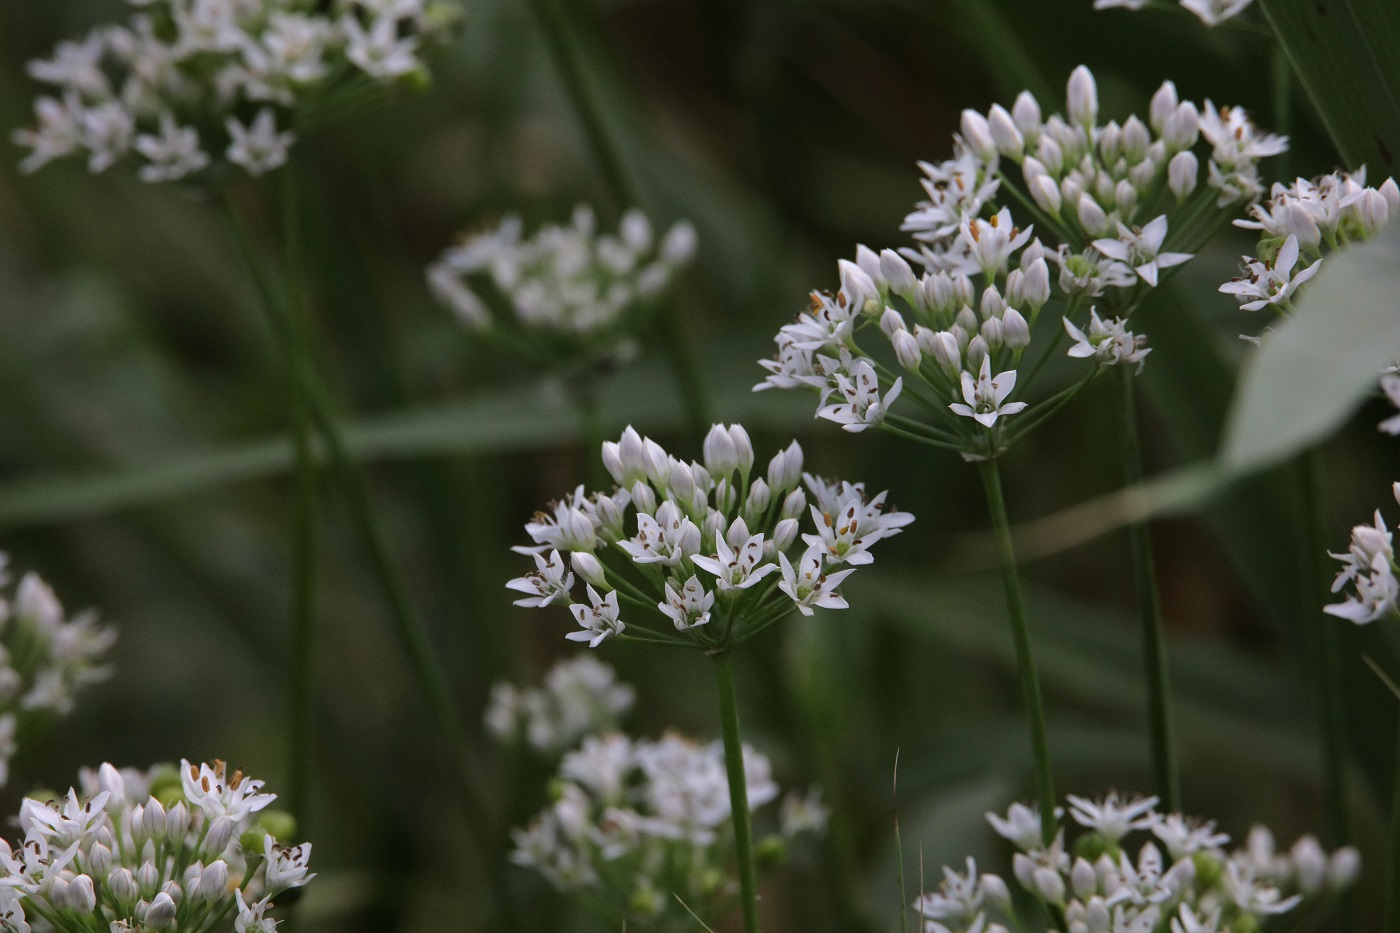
302	658
591	432
1320	640
564	52
1392	899
1025	660
1165	768
738	788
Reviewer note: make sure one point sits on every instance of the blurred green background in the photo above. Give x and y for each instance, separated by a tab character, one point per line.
143	468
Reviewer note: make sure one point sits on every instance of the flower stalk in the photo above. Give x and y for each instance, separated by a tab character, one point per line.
1165	766
1392	893
1025	659
738	788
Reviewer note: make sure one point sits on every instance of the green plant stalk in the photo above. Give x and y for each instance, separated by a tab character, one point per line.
552	19
1165	767
738	787
591	432
302	642
1025	660
1392	889
1320	642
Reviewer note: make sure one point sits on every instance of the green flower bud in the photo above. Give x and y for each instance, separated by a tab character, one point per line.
279	824
646	901
1091	846
770	853
251	840
165	780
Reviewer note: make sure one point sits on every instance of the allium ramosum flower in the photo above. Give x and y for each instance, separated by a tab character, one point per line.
580	696
187	87
1368	574
46	658
186	850
1132	868
712	549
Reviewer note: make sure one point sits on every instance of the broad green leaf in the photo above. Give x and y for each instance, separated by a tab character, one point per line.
1344	53
1313	372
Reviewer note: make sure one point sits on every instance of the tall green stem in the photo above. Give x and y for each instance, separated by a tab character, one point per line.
564	51
1165	767
591	431
738	787
1392	893
302	642
1320	642
1025	660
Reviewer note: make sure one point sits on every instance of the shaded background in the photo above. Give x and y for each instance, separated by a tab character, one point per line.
141	471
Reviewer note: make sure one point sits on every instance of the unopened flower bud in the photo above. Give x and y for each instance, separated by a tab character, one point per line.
785	469
99	860
147	878
977	351
1391	192
1015	331
1049	885
161	914
992	332
631	456
681	483
891	322
612	461
1092	217
1082	879
795	504
1375	212
177	821
897	273
1083	95
743	447
785	532
995	891
1303	225
1024	870
1125	196
1183	127
1182	173
978	135
1051	154
1026	112
1008	138
1110	142
213	883
153	819
589	568
947	352
1163	106
122	886
1143	174
220	832
81	895
1343	868
1035	288
967	320
858	287
869	261
721	458
712	528
760	495
992	303
1072	189
906	349
1046	192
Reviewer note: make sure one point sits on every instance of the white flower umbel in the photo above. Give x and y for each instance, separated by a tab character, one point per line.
1134	869
1368	574
580	696
704	549
636	823
158	850
567	291
187	88
46	658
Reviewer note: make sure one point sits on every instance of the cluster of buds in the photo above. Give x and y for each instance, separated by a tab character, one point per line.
567	291
959	330
194	850
189	85
1210	12
1368	574
45	659
638	823
1182	879
710	550
580	696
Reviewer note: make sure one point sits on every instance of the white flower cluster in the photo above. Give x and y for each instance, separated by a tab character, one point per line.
636	822
185	81
1368	569
705	536
565	286
45	658
1302	221
1210	12
1181	880
149	851
580	696
1103	194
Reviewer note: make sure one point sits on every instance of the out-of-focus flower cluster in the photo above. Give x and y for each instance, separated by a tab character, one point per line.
638	822
706	548
185	84
1210	12
580	696
1107	201
45	659
158	850
567	291
1368	574
1181	878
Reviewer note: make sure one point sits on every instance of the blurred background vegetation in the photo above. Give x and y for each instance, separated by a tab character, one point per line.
144	470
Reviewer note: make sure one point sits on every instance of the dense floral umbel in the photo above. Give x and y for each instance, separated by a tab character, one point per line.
187	85
1108	203
580	696
566	290
1132	869
636	823
710	549
158	850
45	658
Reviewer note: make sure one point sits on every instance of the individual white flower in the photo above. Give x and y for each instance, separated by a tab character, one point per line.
173	154
1271	283
1184	838
985	396
550	582
259	147
379	51
1111	817
1215	12
804	813
863	406
1141	248
1108	342
252	918
738	568
808	585
1368	567
689	606
59	134
956	189
1021	825
668	538
597	621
